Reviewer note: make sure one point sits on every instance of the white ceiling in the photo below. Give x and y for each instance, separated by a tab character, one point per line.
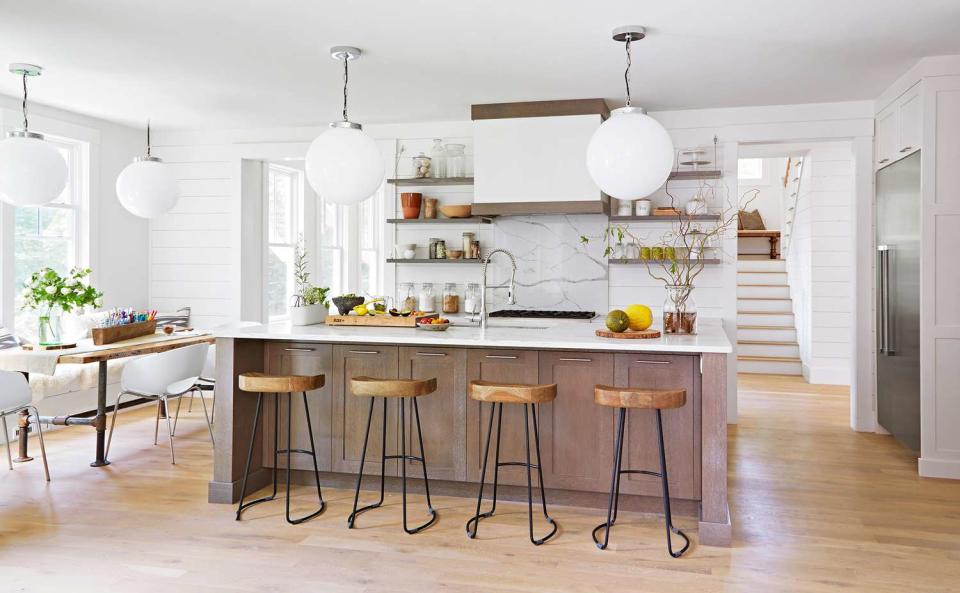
230	63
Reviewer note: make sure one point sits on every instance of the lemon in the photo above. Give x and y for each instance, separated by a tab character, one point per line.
641	317
360	310
617	321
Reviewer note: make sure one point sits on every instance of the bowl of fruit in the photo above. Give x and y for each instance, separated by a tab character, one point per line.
433	324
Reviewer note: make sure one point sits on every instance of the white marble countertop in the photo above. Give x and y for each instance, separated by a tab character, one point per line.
711	338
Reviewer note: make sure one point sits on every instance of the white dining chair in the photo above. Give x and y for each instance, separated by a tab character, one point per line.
206	382
163	376
15	396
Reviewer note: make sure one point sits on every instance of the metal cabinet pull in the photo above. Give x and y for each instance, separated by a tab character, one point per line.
502	356
576	360
652	361
299	349
882	161
431	354
906	149
364	352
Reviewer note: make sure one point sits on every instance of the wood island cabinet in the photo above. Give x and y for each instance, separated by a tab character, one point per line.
350	412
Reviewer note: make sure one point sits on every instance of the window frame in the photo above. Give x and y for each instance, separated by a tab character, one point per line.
297	226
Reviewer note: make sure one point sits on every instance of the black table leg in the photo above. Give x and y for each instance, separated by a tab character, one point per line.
101	418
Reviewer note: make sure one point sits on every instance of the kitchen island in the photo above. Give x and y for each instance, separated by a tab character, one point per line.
576	434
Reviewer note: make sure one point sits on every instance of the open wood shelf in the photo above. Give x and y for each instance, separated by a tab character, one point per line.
394	260
664	218
634	261
422	181
466	220
702	174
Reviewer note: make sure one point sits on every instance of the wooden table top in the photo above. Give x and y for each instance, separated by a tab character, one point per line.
125	350
757	233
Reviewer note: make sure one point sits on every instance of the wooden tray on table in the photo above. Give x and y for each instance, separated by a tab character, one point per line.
385	320
644	334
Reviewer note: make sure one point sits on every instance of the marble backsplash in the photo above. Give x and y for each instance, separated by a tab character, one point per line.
555	270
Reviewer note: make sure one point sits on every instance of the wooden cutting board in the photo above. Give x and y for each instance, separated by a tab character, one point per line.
645	334
377	320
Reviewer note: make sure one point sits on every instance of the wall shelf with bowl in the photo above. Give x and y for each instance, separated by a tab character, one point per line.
466	220
703	174
666	218
394	260
635	261
424	181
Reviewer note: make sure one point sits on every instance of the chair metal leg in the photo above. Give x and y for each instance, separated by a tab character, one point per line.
156	424
113	422
289	468
176	416
203	402
539	468
668	518
614	484
253	438
6	440
363	458
404	458
475	520
190	405
173	459
43	450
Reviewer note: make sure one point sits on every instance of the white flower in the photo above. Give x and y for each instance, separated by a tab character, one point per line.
51	290
71	282
65	290
26	293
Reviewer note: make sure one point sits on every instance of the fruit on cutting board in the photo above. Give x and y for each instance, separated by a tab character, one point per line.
617	321
360	310
641	317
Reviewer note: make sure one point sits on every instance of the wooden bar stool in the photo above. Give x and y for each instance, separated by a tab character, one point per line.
530	396
261	383
402	389
624	398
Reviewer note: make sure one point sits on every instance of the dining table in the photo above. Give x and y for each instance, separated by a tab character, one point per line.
24	360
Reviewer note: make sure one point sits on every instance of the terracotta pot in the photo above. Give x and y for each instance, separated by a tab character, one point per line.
410	202
430	208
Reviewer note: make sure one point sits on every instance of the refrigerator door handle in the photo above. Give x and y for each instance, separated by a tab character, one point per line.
883	251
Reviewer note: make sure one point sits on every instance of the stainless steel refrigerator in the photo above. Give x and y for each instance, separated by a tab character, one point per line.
898	300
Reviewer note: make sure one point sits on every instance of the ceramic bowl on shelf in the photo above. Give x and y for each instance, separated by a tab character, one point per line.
454	253
456	210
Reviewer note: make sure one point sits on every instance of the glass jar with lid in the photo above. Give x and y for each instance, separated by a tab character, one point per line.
427	300
421	166
406	297
438	159
471	298
440	250
456	160
451	298
466	243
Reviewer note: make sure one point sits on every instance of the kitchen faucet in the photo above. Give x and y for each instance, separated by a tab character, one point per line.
511	287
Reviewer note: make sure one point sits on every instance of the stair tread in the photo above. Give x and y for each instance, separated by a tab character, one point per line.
768	343
769	358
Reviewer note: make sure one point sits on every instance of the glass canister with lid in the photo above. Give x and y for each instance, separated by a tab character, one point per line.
451	298
427	300
456	164
471	298
438	158
406	297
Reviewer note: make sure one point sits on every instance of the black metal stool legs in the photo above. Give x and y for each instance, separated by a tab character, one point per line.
666	496
276	451
473	523
615	488
403	457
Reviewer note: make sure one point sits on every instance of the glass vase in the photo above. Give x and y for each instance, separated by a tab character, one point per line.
49	331
679	311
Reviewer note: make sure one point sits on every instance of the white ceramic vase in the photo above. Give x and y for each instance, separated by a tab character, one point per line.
308	315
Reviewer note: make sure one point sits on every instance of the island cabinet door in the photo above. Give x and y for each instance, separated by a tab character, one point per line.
681	426
442	413
291	358
500	366
350	412
577	439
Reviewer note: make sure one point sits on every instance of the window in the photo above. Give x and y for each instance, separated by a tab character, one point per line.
50	235
349	240
284	206
750	170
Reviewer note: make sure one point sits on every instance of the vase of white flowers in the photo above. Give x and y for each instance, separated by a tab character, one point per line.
51	294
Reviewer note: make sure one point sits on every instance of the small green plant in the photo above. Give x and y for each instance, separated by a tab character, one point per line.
306	293
47	290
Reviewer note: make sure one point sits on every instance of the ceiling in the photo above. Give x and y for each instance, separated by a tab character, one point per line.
226	64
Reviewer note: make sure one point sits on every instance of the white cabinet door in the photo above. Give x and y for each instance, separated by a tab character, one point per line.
533	159
887	136
909	108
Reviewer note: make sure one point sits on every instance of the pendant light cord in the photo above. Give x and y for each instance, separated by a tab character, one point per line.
24	101
626	73
346	78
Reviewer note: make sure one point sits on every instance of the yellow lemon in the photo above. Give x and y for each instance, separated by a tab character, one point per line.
360	310
641	317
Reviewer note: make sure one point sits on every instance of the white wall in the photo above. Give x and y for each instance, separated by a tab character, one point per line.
118	247
765	195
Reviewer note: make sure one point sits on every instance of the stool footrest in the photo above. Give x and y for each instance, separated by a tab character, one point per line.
645	472
304	451
518	464
407	457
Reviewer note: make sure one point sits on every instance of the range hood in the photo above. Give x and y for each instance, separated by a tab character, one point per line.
530	158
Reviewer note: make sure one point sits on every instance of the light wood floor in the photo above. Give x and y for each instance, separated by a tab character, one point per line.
817	508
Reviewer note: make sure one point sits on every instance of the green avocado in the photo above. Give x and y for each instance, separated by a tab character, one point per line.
617	321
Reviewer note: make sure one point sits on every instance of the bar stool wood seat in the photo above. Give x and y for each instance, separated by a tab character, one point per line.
529	396
401	389
625	398
280	385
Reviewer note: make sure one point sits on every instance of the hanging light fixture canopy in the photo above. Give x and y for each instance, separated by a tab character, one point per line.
344	165
147	187
630	155
32	171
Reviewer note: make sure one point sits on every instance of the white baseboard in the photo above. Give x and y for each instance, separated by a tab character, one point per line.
939	468
827	375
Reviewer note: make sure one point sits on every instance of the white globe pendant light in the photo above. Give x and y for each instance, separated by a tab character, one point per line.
344	165
630	155
32	171
146	187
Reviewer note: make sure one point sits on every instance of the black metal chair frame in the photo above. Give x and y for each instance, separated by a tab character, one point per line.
401	404
276	451
497	410
615	488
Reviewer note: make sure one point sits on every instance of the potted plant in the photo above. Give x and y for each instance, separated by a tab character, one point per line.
51	294
309	304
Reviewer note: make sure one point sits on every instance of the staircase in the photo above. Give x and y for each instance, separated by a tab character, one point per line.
766	335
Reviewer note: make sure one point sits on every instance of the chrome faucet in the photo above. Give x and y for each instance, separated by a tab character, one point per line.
511	287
